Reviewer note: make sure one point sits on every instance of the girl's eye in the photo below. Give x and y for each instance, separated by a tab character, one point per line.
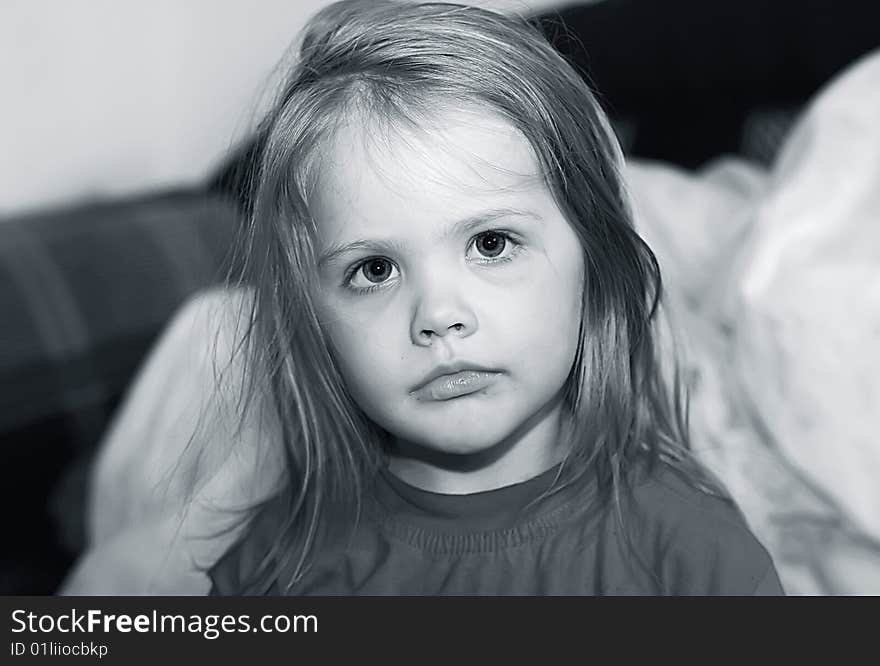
370	275
496	246
490	244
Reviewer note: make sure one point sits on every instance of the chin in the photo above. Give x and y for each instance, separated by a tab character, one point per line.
466	428
461	442
470	447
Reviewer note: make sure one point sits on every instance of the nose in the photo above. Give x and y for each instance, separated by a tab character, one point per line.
440	312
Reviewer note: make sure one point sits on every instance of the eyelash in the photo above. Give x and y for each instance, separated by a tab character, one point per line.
506	235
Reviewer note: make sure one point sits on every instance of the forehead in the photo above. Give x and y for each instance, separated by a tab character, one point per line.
457	164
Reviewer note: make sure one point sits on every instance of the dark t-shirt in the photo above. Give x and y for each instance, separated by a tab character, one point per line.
414	542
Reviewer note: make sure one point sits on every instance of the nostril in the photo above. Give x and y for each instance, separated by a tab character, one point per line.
429	333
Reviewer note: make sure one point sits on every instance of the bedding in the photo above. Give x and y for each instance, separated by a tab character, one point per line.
773	279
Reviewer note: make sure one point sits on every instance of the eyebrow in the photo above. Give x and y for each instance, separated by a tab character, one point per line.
462	226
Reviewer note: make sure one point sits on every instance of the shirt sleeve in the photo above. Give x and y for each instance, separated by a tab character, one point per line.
718	556
225	574
769	585
703	544
237	565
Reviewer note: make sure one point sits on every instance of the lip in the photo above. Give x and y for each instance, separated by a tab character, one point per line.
458	384
448	381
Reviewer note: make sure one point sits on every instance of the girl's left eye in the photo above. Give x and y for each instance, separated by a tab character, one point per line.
375	272
491	244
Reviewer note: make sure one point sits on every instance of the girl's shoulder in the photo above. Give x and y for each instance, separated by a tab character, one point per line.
701	541
669	494
231	571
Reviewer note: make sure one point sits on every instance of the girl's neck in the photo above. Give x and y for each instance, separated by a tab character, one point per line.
523	456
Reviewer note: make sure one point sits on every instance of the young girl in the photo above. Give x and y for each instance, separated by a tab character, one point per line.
453	323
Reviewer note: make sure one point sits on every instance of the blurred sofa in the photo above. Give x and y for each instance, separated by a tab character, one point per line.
84	292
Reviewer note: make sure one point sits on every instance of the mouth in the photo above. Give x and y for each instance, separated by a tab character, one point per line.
455	385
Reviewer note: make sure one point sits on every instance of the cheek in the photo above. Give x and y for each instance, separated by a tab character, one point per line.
364	354
549	343
548	307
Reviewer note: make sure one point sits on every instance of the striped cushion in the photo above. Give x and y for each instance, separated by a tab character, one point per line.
83	292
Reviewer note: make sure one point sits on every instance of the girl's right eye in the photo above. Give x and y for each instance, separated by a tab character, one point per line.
369	275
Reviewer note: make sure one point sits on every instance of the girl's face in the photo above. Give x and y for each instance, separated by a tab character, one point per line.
445	247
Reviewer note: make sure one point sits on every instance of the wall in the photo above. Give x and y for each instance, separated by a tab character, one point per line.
104	98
